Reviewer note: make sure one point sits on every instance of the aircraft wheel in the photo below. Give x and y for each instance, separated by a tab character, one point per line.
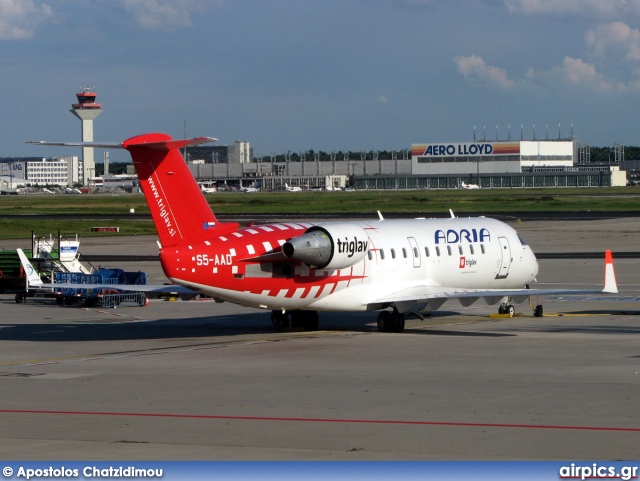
397	322
537	311
279	319
384	321
510	310
18	298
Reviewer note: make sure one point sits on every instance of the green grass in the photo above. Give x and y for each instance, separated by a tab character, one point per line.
426	203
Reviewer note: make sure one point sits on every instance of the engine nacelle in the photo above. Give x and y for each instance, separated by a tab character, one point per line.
329	246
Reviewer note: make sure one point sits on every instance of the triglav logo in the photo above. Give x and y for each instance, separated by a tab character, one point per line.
351	247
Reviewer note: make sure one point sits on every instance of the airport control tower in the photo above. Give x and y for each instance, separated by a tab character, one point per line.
86	110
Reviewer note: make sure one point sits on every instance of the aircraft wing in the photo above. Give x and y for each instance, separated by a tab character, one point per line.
415	294
426	293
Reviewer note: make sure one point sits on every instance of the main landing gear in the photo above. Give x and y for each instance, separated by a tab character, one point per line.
390	321
307	320
507	308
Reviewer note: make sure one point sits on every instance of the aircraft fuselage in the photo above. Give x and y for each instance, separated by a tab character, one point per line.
370	259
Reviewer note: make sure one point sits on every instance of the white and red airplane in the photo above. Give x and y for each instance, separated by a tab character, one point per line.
295	269
290	188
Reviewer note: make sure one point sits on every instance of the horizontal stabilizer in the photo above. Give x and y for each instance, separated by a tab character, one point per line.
164	144
107	145
168	144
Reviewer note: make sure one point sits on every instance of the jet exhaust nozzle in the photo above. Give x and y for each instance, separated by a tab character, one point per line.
329	246
313	248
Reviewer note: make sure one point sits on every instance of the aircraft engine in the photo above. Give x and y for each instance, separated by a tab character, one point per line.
329	246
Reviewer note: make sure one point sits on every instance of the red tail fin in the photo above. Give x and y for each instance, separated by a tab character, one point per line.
179	210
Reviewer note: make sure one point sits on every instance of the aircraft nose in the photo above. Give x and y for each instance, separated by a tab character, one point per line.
531	260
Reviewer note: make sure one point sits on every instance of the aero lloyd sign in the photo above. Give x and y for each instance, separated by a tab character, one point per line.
470	149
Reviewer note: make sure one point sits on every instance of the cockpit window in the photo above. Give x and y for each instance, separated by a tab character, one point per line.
522	241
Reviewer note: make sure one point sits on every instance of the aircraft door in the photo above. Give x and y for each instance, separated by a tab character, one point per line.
505	252
415	252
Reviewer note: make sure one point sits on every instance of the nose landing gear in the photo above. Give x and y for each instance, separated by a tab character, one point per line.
507	309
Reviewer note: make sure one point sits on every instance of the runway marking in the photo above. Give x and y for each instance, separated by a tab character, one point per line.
321	420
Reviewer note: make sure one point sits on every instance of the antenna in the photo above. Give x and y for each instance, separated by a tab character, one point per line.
546	130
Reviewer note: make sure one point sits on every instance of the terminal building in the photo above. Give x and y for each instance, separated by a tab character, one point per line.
524	163
60	171
42	171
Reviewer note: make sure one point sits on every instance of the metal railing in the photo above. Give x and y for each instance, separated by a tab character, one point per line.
129	299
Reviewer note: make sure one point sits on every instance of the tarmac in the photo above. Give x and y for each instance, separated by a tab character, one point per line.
198	380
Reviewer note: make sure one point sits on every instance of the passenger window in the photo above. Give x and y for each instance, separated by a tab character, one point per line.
404	252
415	252
449	249
460	250
393	253
438	251
482	248
426	251
370	255
471	248
382	254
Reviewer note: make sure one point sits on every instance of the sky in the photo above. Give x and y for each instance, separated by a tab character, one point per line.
329	75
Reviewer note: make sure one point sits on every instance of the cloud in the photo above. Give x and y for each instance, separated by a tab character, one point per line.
616	37
579	73
164	14
19	19
382	99
474	66
573	71
600	9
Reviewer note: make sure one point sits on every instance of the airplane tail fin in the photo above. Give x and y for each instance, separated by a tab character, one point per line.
33	279
610	285
179	210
